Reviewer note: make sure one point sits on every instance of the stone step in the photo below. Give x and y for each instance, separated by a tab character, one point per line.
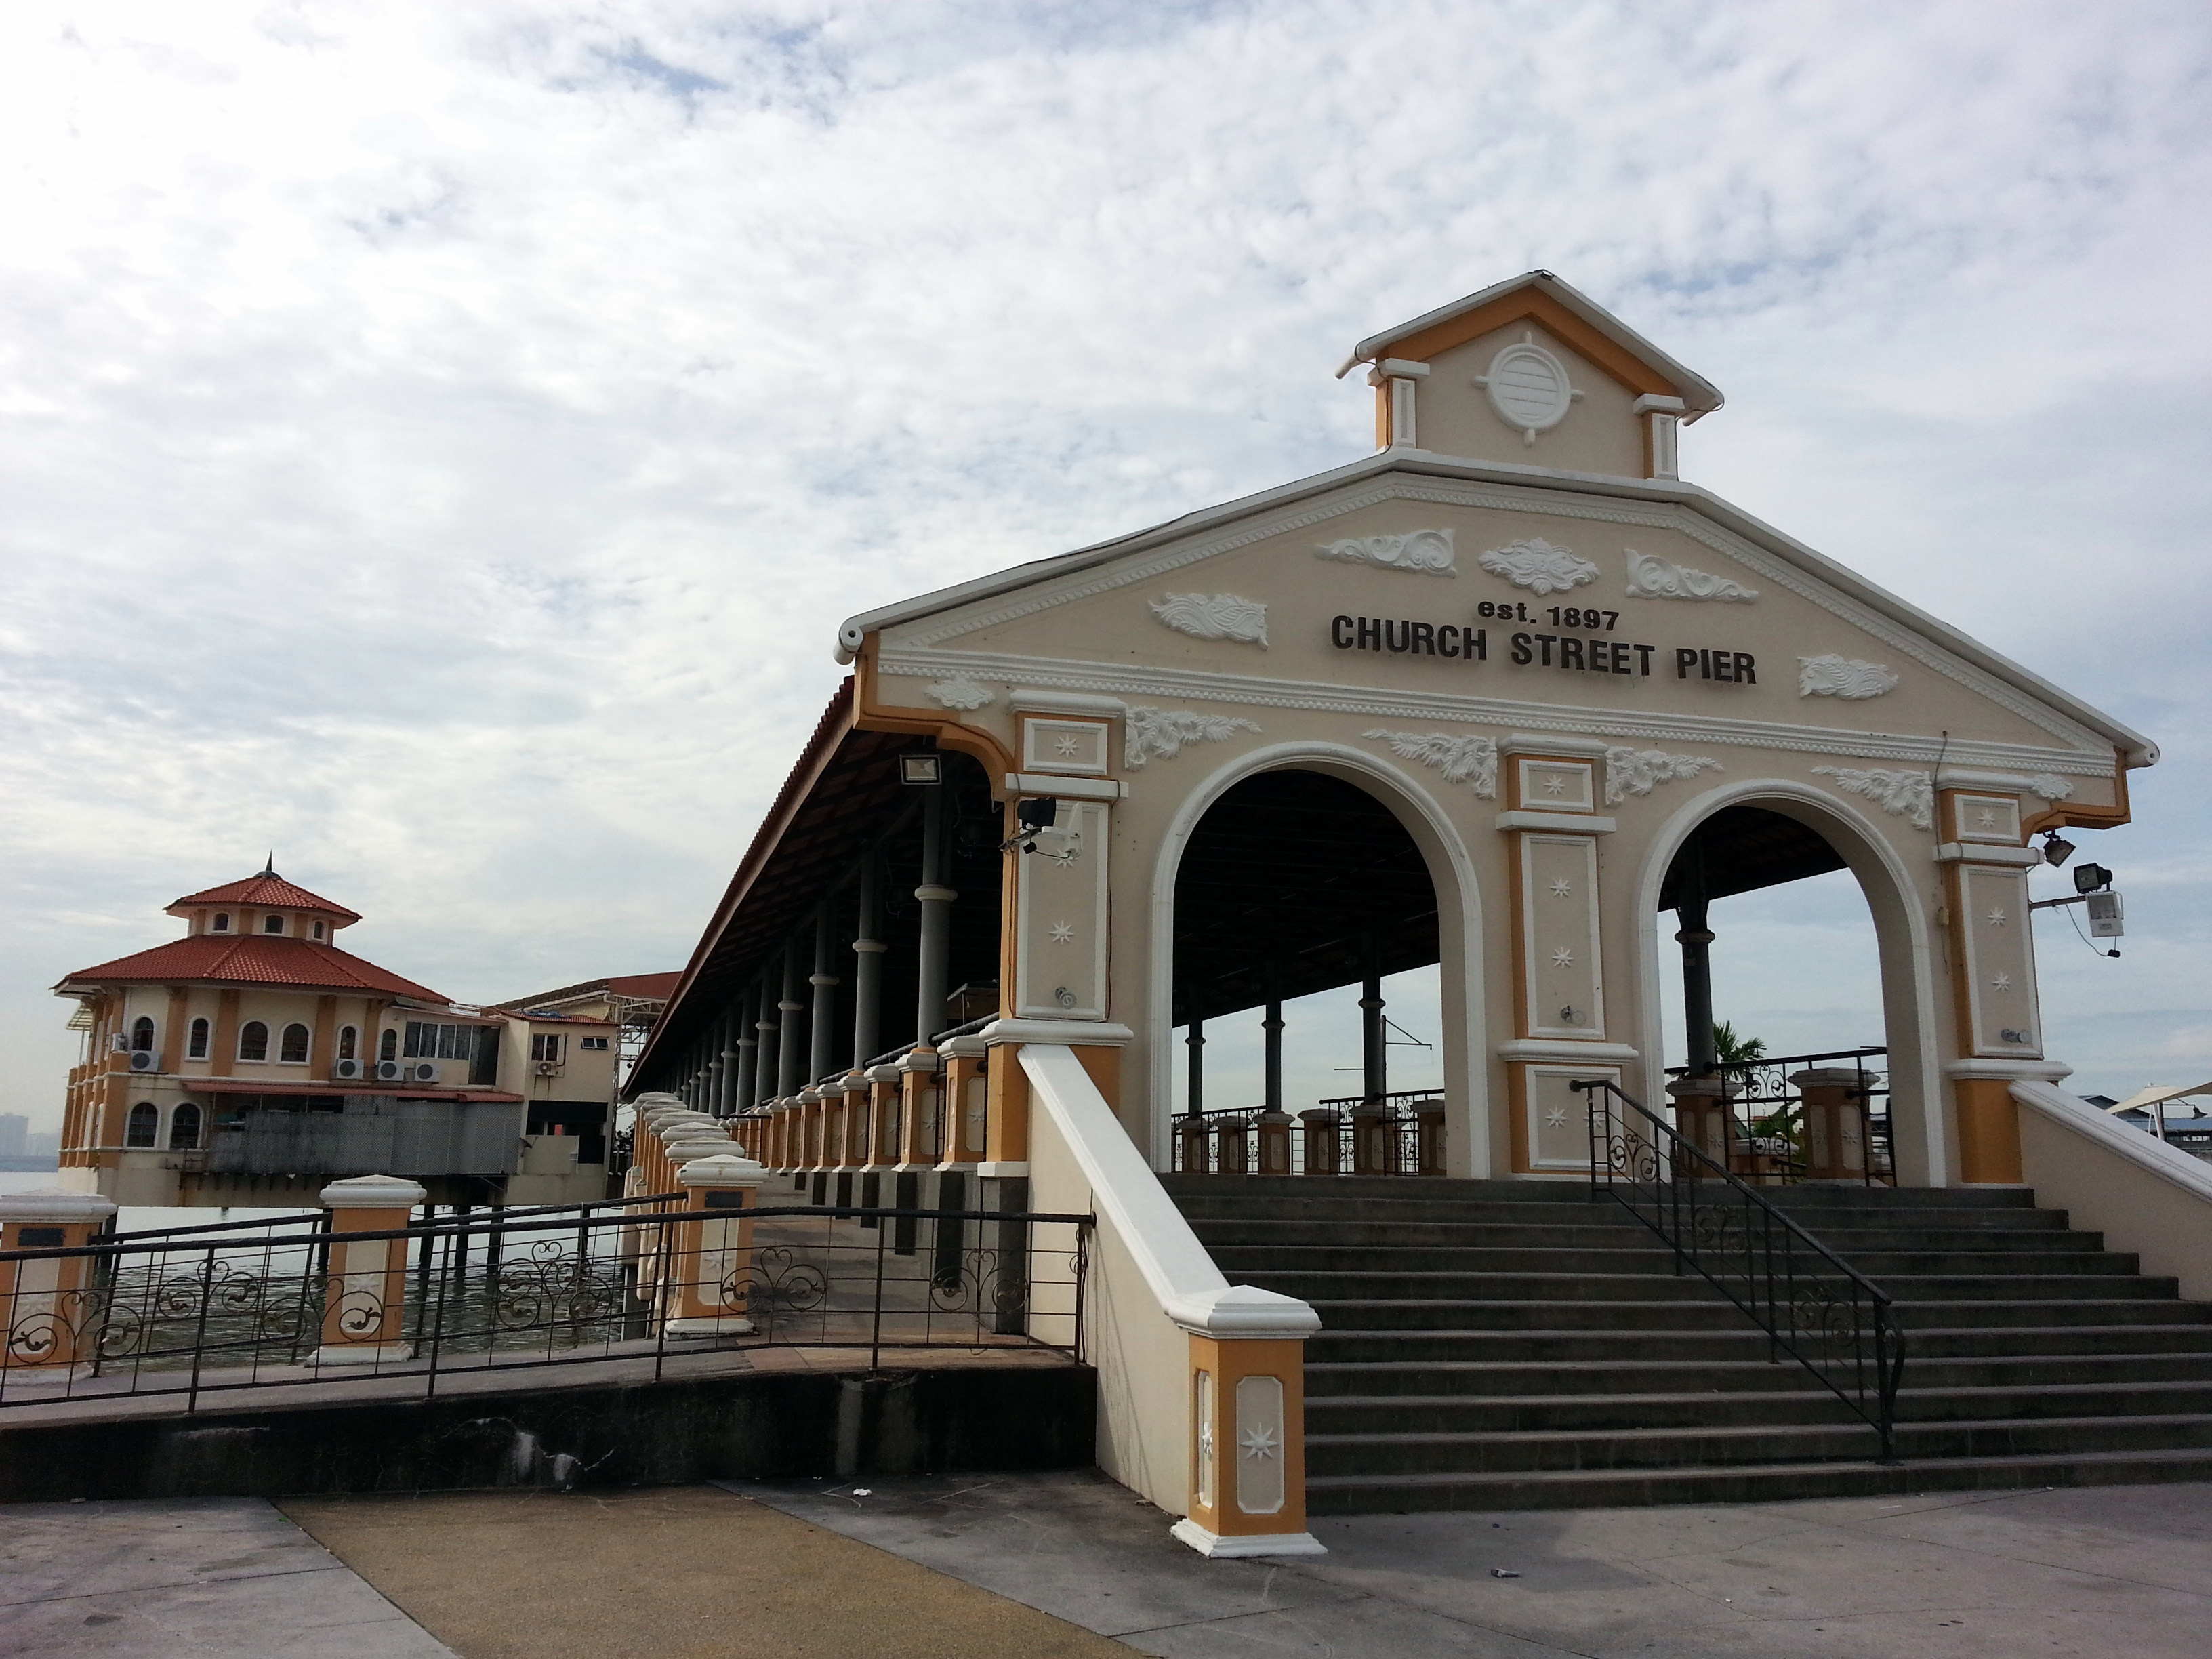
1592	1285
1711	1444
1428	1189
1881	1265
1272	1233
1538	1344
1359	1494
1583	1412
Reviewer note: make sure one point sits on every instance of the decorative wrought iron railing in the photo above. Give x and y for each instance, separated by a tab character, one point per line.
1769	1137
1813	1306
217	1308
1404	1138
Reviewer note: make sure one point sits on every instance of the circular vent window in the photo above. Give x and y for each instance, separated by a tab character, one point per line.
1528	388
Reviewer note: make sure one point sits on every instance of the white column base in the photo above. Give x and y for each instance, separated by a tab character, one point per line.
1263	1543
1003	1170
360	1353
712	1325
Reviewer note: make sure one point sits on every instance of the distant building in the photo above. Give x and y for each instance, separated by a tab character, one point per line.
14	1135
253	1060
633	1002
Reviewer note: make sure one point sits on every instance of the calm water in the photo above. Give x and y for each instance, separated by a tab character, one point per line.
139	1218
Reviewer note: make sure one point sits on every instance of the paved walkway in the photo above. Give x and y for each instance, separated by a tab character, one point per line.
1072	1565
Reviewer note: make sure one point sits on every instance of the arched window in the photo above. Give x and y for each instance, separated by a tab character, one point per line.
141	1035
253	1040
318	930
295	1051
272	924
143	1121
349	1040
387	1046
196	1047
222	921
184	1127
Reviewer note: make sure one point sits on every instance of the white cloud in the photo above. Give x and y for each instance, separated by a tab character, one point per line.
440	441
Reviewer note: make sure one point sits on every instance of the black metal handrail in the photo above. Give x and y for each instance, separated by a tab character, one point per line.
1815	1306
1763	1083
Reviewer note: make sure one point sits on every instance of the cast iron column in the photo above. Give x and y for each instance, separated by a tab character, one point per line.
1696	939
1374	1034
765	1067
821	1024
936	922
868	972
787	1057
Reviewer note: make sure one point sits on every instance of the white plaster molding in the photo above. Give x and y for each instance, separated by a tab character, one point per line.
1215	617
2049	786
1551	743
1578	824
58	1206
962	693
1233	1546
1425	552
1638	771
1472	760
1566	1051
1831	675
1909	794
1651	577
1163	734
1952	852
1067	788
2011	1071
2147	1153
1038	700
1528	388
1540	566
372	1192
1209	685
1065	1032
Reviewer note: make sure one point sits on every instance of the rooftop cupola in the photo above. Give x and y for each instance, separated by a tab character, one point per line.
1534	373
263	903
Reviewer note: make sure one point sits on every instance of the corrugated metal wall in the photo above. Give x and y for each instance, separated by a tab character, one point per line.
376	1135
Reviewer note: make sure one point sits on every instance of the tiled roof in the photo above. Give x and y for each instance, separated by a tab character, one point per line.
266	888
645	985
622	985
253	959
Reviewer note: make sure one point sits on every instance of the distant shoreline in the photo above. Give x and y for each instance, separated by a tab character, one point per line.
30	1165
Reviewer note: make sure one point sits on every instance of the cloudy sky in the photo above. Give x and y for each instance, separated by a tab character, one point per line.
440	438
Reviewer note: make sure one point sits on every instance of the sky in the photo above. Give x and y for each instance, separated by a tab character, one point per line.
439	441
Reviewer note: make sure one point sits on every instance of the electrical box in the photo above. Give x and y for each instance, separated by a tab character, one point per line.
2107	915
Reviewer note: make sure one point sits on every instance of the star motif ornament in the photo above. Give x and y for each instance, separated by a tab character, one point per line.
1063	932
2002	982
1556	1118
1065	858
1067	746
1562	957
1988	819
1555	785
1562	888
1997	918
1259	1441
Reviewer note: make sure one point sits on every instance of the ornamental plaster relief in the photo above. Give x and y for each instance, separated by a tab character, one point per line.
1651	577
1163	734
1912	795
1468	760
1561	969
1215	617
962	693
1831	675
1638	771
1541	566
1999	966
1425	552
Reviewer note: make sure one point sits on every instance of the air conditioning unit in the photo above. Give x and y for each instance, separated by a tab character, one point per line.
346	1068
144	1059
548	1068
119	1044
423	1071
387	1070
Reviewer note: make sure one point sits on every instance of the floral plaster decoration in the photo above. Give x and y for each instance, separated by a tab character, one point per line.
1831	675
1214	616
1653	578
1543	567
1911	794
1425	552
961	692
1638	771
1470	760
2050	786
1163	733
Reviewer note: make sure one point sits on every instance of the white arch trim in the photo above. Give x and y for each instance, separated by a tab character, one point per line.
1467	1069
1906	940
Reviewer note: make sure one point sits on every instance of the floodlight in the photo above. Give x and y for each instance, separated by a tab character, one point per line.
2090	877
923	768
2056	850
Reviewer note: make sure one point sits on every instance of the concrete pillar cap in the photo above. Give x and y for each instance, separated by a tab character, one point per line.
689	1151
656	1098
55	1207
372	1192
1830	1076
1703	1088
918	1059
722	1169
885	1073
1320	1114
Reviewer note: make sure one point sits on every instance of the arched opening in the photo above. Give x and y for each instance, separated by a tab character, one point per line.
1307	997
185	1128
293	1051
387	1046
140	1128
195	1045
221	924
272	924
1791	983
348	1043
253	1040
141	1035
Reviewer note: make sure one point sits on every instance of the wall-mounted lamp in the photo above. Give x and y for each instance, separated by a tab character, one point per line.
1034	817
2092	879
921	768
2056	850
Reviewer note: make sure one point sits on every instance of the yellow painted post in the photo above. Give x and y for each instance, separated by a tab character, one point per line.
1321	1126
48	1303
712	1255
1374	1139
1191	1134
1275	1143
967	1114
1248	1456
364	1292
1428	1138
1835	1122
1704	1117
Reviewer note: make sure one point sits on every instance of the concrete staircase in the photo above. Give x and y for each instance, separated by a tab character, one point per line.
1493	1345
